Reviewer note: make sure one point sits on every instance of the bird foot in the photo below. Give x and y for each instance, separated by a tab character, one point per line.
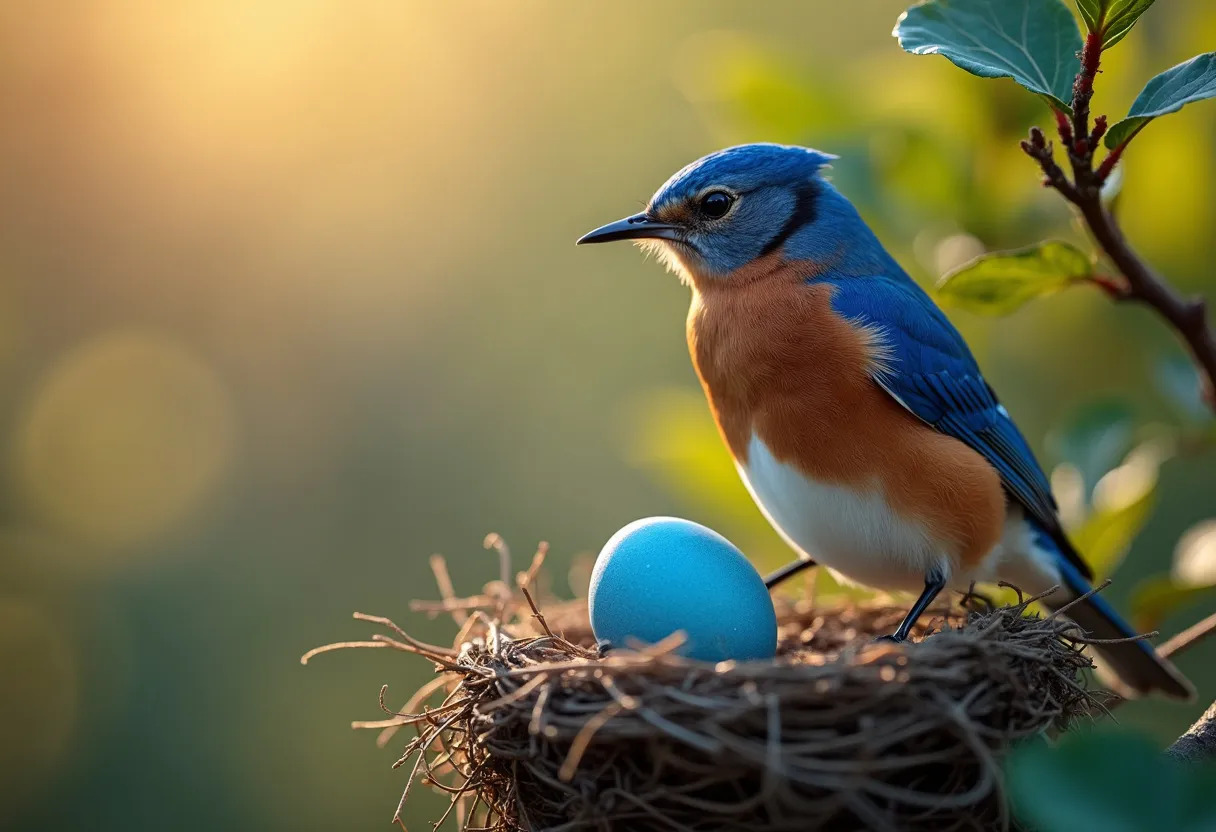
891	639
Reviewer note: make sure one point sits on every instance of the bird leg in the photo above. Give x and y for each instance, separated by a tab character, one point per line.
935	582
787	571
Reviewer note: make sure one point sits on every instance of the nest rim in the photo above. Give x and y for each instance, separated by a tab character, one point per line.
536	730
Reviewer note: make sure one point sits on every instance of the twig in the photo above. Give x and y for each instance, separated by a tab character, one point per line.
494	541
1188	316
406	637
1189	637
583	739
525	579
1038	148
447	590
339	645
536	613
419	697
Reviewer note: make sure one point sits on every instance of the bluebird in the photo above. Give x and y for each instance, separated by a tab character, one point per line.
857	416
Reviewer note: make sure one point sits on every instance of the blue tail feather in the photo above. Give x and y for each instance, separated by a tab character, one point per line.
1136	663
1077	584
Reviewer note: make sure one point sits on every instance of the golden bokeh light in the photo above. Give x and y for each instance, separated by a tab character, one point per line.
126	436
289	299
1195	555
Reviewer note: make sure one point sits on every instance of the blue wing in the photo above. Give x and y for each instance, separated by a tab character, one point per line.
933	374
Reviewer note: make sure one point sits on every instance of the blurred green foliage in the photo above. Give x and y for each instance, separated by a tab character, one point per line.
1109	780
289	301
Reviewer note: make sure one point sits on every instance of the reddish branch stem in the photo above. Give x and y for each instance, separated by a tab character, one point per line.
1142	284
1081	152
1188	316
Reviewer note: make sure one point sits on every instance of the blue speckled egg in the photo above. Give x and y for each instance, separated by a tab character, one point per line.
662	574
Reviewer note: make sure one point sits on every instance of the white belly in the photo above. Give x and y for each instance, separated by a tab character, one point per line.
861	539
853	532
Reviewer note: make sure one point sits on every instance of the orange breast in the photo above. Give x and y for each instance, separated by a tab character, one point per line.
776	361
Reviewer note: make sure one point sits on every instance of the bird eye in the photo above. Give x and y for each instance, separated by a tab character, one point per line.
715	204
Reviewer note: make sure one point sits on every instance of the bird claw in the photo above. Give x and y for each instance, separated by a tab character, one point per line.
891	639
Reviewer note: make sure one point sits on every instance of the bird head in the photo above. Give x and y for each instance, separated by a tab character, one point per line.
726	209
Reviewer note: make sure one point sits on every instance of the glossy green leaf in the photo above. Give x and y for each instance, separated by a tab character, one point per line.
1095	438
1120	18
997	284
1034	42
1155	599
1091	12
1166	93
1109	780
1114	18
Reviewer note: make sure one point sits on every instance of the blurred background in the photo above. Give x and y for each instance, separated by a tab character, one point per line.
289	301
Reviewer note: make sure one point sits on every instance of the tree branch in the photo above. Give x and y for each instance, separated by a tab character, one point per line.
1187	316
1198	744
1081	148
1143	285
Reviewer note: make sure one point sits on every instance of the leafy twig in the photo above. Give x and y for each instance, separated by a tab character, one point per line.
1188	316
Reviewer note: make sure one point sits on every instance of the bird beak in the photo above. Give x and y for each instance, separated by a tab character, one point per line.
637	227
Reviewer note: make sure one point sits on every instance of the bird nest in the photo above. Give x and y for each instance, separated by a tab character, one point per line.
527	727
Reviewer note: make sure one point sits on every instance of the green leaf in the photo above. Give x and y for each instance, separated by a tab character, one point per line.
1034	42
1091	12
1108	780
1156	598
997	284
1168	92
1113	18
1121	16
